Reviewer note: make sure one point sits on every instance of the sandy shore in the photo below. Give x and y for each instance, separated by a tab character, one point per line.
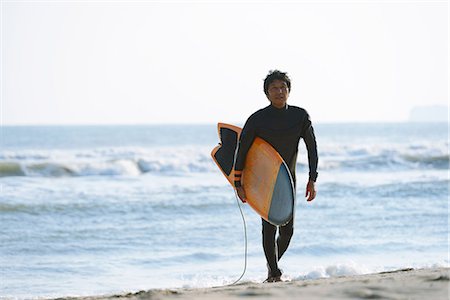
429	284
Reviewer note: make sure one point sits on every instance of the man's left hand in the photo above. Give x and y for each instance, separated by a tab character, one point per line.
310	191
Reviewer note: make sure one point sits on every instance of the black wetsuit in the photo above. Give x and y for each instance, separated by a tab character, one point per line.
282	128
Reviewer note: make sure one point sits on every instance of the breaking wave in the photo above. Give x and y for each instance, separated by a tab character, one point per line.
104	162
183	160
387	157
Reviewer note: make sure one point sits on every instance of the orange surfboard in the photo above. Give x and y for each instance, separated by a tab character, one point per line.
266	178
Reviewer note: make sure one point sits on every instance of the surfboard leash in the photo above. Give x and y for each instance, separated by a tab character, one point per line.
243	222
245	238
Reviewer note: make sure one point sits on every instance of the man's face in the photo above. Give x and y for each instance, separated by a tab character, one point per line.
278	93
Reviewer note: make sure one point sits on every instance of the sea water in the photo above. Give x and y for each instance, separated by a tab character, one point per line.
92	210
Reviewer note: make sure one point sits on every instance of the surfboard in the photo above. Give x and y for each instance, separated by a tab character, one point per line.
266	178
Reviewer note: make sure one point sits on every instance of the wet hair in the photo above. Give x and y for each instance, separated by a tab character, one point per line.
276	75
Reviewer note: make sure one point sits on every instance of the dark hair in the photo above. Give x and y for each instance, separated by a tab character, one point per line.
276	75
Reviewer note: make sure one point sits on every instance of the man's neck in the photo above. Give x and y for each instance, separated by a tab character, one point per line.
280	107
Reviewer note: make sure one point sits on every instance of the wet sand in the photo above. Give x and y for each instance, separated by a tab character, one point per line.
401	284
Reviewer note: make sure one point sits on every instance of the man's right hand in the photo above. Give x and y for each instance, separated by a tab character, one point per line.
241	194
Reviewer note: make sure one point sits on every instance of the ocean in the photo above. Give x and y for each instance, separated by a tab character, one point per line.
94	210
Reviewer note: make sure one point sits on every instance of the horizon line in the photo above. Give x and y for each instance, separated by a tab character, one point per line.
212	123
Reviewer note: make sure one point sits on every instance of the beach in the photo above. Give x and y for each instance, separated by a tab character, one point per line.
399	284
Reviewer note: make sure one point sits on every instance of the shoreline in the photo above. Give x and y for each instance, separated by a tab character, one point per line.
433	283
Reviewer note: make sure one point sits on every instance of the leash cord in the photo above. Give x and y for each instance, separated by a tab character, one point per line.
245	237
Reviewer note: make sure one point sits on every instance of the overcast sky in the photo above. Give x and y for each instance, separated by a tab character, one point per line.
79	62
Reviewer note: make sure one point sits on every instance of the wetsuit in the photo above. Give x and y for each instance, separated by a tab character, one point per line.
282	128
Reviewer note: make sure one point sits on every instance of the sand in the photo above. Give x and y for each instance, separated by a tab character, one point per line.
427	284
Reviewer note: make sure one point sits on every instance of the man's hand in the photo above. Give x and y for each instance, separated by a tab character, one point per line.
241	193
310	190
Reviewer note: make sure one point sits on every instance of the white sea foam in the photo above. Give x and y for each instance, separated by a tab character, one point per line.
336	271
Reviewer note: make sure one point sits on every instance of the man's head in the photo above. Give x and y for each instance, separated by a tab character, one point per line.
277	86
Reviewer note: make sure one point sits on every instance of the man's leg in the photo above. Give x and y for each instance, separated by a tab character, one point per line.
269	245
284	237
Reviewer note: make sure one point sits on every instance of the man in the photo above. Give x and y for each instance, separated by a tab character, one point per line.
282	126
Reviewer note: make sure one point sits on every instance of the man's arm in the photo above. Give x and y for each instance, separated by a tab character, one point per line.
313	159
311	147
247	136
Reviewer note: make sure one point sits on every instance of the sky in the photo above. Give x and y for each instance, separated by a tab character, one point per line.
147	62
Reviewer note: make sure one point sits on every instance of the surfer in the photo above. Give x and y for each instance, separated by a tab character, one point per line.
282	126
